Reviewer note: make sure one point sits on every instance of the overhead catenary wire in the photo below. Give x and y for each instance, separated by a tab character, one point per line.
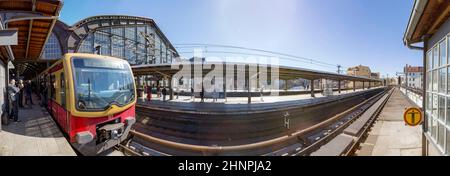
273	53
262	55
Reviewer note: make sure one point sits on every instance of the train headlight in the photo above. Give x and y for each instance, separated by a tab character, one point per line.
84	137
115	134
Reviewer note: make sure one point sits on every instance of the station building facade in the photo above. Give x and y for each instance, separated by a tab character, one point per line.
414	76
361	71
428	31
136	39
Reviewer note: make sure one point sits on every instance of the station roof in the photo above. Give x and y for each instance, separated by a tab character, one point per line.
34	23
34	20
426	18
285	72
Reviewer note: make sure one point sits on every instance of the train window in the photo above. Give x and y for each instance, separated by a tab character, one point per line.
62	91
100	83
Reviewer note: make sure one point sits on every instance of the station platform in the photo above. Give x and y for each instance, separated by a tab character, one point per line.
244	99
389	135
239	104
36	135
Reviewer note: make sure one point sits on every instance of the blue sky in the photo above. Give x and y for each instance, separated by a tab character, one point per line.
345	32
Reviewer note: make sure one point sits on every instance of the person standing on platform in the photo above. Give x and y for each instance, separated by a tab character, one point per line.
202	95
215	95
42	92
158	91
261	93
164	93
13	93
21	86
192	94
28	94
149	92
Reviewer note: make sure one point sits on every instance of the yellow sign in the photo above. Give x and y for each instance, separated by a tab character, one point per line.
413	116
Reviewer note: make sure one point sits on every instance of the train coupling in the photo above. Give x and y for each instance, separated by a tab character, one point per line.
111	131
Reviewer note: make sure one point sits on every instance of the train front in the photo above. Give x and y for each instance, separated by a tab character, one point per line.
104	99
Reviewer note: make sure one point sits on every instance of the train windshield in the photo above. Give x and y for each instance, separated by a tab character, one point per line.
101	83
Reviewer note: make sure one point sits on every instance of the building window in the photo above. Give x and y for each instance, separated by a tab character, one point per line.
436	57
443	53
438	95
441	135
448	141
435	80
448	80
435	106
87	45
433	128
102	39
130	33
429	59
430	81
117	47
442	80
52	48
141	54
130	51
448	110
441	108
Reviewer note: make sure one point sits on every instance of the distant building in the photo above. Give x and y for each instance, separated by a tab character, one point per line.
414	76
360	71
375	75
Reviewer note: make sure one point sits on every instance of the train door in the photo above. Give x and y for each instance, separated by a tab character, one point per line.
52	99
63	113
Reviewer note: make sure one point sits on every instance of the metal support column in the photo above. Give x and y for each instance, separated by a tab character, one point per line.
312	89
171	88
354	86
249	93
224	81
424	94
339	86
285	85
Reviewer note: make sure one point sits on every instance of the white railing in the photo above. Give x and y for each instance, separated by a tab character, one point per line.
417	99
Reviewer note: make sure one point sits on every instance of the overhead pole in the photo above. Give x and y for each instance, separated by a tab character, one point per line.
312	88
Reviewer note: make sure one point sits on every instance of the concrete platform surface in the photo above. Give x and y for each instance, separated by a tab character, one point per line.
36	135
390	136
235	104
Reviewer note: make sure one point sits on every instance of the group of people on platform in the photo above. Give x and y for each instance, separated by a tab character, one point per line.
163	92
17	92
159	92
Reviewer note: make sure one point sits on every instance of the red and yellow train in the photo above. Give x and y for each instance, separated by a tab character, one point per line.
92	98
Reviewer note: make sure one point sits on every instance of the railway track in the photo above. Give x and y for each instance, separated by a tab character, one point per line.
207	125
301	142
346	139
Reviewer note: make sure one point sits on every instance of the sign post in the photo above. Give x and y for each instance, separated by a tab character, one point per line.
413	117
